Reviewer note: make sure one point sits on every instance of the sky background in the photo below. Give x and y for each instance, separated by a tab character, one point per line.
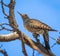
47	11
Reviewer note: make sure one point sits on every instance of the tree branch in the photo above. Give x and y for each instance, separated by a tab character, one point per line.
4	28
13	36
3	52
2	5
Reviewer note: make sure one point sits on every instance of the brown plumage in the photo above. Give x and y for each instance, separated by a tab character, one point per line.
37	27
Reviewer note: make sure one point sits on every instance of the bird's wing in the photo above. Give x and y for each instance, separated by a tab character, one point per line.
39	25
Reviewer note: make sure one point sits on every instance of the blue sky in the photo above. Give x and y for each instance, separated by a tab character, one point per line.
47	11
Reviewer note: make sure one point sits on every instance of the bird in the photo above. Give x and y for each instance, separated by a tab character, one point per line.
37	27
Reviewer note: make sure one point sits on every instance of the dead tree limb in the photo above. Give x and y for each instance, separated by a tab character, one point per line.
2	5
3	52
40	48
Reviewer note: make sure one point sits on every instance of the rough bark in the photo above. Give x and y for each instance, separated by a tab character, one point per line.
13	36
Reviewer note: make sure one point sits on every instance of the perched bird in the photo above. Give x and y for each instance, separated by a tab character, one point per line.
37	27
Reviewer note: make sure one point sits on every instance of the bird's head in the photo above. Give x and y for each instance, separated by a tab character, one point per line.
24	16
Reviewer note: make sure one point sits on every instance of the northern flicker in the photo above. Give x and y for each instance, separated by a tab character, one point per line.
37	27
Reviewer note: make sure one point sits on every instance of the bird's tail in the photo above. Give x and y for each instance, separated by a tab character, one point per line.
46	40
53	30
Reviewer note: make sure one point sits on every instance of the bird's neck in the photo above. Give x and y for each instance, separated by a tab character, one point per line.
25	19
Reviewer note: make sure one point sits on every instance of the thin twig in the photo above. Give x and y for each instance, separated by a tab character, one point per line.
53	45
3	28
52	38
23	44
5	4
4	24
2	5
23	47
33	52
3	52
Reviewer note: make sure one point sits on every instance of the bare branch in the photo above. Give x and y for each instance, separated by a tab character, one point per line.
57	41
28	41
13	23
23	46
33	53
22	40
53	45
5	4
1	46
11	17
3	52
3	28
52	38
8	37
4	24
2	5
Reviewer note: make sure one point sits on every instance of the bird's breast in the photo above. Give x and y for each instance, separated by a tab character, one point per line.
33	30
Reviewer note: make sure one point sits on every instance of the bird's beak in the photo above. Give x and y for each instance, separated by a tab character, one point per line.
19	13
